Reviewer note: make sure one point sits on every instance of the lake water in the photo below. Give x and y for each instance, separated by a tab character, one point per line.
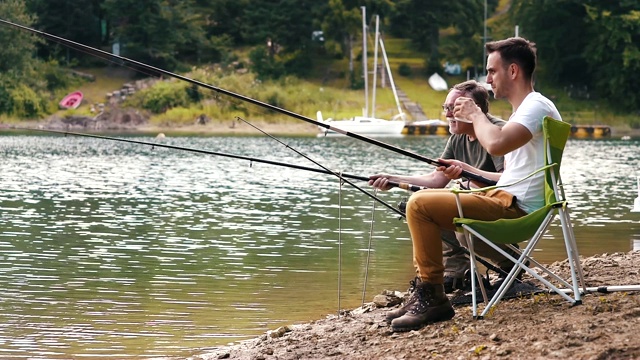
120	250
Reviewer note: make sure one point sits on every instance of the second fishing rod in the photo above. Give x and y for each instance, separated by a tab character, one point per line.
106	55
405	186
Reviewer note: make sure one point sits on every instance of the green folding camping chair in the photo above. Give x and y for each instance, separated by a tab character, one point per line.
529	228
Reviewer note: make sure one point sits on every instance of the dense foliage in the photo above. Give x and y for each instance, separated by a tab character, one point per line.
586	44
19	80
589	44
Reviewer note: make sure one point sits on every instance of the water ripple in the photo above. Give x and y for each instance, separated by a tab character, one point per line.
121	250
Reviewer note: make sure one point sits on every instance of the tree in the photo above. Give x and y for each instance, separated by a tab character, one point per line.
558	28
282	30
613	52
422	20
157	32
341	26
77	20
17	59
22	90
592	43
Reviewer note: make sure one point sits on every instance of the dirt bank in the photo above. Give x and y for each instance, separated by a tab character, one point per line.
119	120
539	326
116	119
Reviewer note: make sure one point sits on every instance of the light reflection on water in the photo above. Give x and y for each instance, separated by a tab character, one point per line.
111	249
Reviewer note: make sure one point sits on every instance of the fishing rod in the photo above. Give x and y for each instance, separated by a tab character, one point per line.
270	162
394	209
405	186
384	145
106	55
487	264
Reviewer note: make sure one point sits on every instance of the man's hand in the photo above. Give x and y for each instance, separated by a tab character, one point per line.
380	181
453	170
465	109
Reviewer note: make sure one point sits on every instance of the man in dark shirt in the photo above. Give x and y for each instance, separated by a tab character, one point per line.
463	146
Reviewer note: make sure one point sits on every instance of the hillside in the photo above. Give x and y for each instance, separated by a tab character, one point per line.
327	89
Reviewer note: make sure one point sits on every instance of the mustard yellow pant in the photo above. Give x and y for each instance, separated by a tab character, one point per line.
431	210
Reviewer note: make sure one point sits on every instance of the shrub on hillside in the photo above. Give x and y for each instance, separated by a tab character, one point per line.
404	69
24	102
57	77
178	116
264	65
163	96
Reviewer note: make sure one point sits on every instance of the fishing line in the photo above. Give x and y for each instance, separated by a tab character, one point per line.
393	208
342	179
340	183
247	99
366	268
405	186
487	264
124	60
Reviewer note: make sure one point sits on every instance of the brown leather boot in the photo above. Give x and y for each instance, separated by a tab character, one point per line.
432	305
403	309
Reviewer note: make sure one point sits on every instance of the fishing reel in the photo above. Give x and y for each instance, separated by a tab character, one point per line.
402	206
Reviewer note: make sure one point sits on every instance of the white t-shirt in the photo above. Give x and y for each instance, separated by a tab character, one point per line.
530	157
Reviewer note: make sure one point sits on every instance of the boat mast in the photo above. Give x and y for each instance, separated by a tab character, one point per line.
375	68
484	41
364	62
393	85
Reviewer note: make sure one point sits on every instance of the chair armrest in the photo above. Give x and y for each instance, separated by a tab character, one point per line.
487	188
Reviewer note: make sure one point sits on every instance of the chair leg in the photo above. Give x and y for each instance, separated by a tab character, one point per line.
525	255
475	273
518	264
575	267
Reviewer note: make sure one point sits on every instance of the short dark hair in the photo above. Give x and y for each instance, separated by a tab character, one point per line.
516	50
476	91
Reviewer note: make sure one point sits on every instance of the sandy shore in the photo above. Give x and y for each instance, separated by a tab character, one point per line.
539	326
132	121
119	120
299	128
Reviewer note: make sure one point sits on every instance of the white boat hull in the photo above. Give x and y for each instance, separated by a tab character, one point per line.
365	126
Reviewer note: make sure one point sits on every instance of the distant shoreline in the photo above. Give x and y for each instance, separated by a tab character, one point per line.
211	129
228	128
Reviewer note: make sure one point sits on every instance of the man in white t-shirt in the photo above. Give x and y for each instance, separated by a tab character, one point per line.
463	146
510	67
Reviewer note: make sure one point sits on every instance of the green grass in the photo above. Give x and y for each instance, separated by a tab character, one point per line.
108	79
416	86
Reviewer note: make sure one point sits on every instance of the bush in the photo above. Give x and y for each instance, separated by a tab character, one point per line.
25	103
178	115
265	66
404	69
432	66
163	96
298	64
56	77
193	92
356	82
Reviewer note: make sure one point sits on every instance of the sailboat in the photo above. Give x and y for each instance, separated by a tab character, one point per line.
369	124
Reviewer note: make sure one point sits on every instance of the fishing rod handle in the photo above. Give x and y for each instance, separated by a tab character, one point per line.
479	178
406	186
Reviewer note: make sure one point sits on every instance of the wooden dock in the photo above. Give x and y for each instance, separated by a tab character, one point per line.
414	110
577	131
590	131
